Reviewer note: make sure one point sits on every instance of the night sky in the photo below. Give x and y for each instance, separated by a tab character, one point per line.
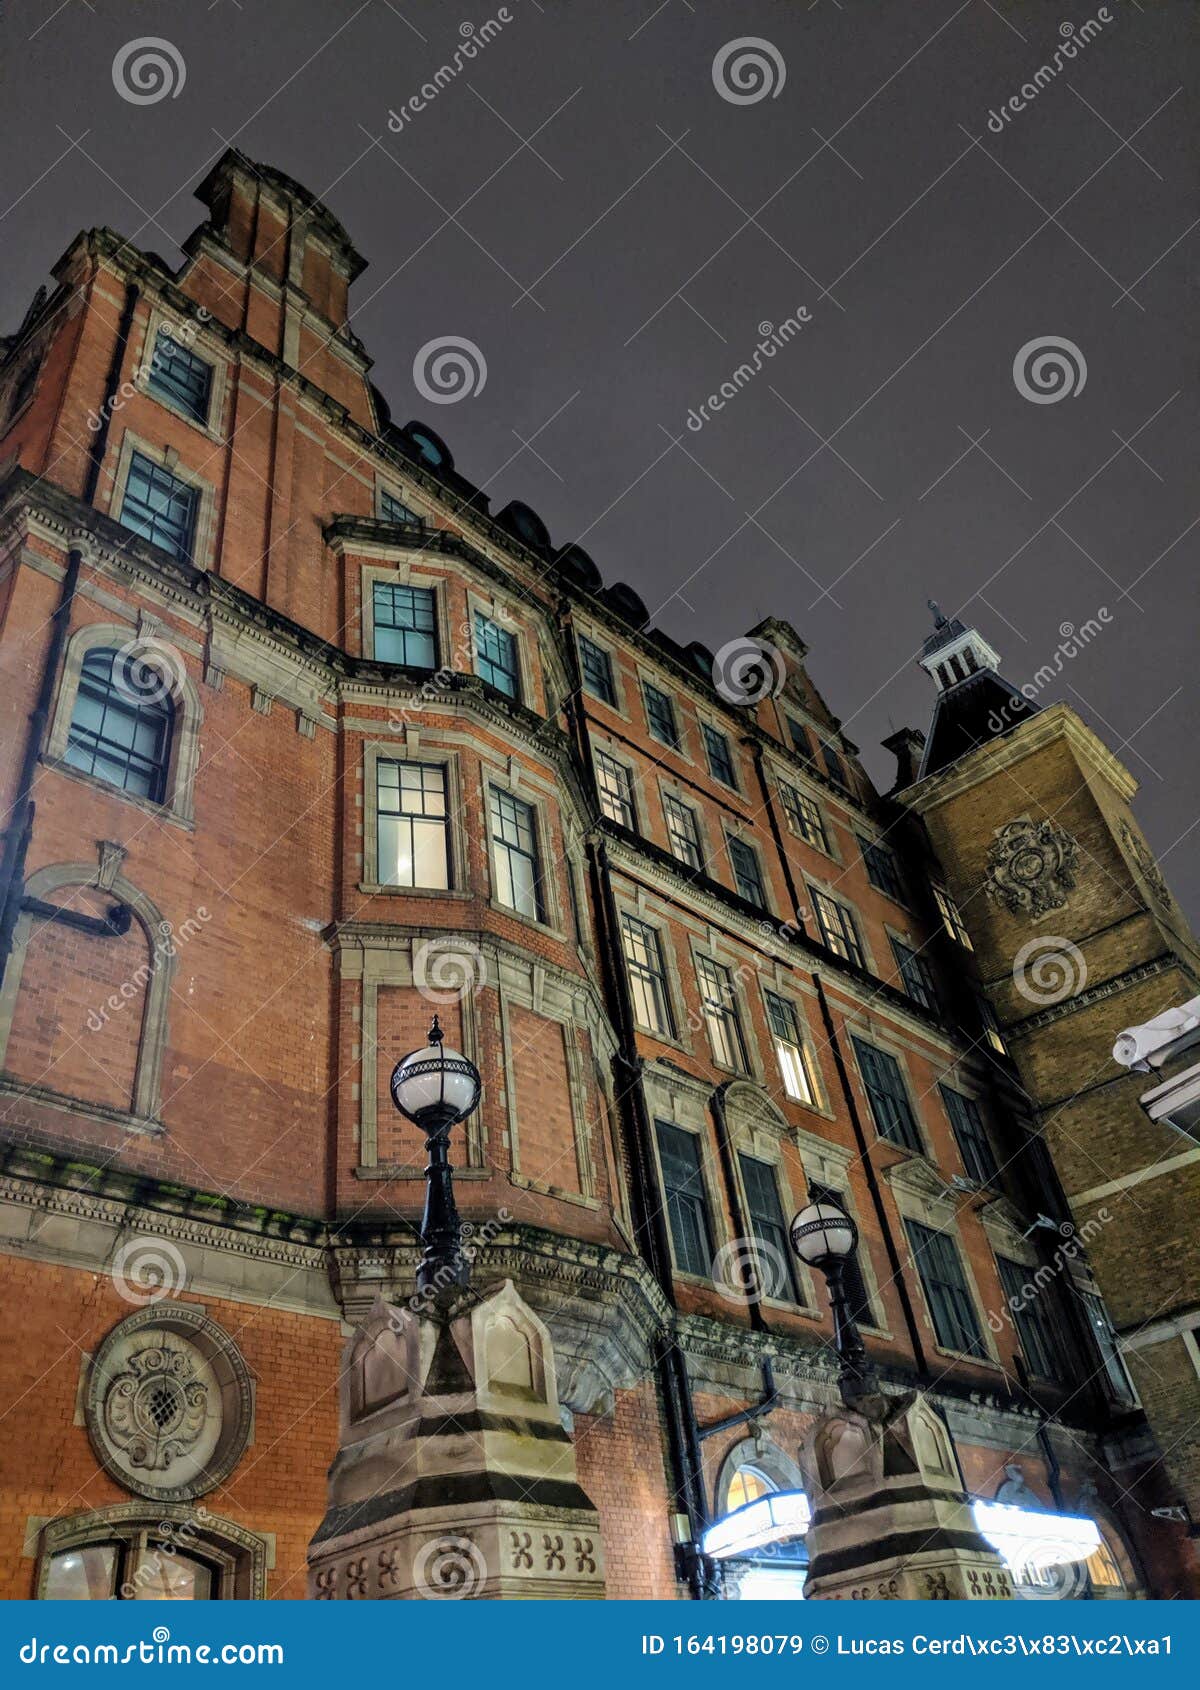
610	231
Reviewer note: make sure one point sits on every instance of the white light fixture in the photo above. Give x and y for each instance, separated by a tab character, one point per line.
1032	1537
768	1519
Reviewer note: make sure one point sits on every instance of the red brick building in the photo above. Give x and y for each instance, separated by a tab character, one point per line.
316	744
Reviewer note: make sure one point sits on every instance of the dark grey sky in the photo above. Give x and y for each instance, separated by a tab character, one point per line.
584	206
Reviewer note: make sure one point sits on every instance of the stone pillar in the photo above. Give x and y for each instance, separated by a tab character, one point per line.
890	1517
455	1477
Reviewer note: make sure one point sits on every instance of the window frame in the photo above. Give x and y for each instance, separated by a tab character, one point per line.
671	798
950	1243
848	921
167	395
702	1198
237	1555
862	1307
781	1248
201	345
167	459
732	1010
709	733
479	614
909	1135
950	916
797	1042
800	828
412	817
434	631
384	492
104	692
735	843
666	1028
925	975
142	463
675	740
430	754
546	898
1042	1342
972	1139
585	645
890	882
624	800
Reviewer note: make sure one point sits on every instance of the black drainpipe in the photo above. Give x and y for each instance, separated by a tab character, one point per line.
20	827
910	1319
649	1222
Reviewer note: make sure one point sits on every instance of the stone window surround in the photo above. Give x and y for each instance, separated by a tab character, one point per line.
864	832
516	780
713	947
205	346
166	457
817	796
870	1033
829	1164
737	827
616	753
397	489
501	608
241	1558
706	718
940	1215
758	1128
417	745
682	1102
781	986
646	679
534	991
762	1453
606	644
179	805
668	788
143	1115
640	910
402	574
812	883
390	965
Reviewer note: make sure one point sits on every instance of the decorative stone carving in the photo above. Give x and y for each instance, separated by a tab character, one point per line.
1031	866
155	1410
169	1404
1143	861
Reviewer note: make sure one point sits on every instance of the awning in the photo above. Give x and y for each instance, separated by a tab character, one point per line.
768	1519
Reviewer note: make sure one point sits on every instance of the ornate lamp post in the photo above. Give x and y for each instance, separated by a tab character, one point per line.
435	1088
825	1237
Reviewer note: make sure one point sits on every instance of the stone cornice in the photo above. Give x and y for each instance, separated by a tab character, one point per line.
1055	722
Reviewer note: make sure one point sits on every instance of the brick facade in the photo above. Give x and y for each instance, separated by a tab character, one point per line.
235	1101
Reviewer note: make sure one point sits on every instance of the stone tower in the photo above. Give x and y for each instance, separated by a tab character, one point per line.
1076	936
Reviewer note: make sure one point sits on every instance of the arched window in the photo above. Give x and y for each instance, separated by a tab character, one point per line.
122	723
747	1485
139	1552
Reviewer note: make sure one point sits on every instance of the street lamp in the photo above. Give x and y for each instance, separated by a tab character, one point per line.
435	1088
825	1237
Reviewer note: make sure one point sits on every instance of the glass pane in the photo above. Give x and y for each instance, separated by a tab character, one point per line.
395	852
524	890
429	854
165	1575
83	1575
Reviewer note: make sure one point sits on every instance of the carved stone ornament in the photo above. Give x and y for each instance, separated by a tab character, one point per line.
1143	860
155	1410
1031	866
169	1403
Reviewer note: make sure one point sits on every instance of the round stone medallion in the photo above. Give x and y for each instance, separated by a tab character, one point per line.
169	1403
